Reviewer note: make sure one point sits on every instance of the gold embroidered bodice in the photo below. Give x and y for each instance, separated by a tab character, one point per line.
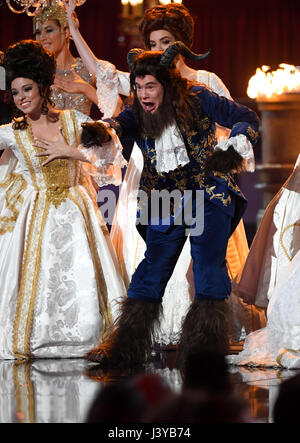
58	176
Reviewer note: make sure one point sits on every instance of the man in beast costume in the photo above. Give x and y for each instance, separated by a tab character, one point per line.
173	122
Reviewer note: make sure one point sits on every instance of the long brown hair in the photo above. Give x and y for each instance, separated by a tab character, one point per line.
176	88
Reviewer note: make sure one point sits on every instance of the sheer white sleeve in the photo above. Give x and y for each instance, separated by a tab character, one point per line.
6	136
214	83
104	163
241	145
110	83
81	118
218	86
8	160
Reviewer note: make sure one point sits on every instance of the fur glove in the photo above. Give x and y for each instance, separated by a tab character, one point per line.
94	134
224	162
232	155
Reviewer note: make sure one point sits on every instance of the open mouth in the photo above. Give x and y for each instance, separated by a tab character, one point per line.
149	106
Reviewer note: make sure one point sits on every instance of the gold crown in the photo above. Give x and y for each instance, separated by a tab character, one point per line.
52	12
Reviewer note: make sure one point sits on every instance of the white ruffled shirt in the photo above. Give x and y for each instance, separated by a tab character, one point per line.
170	150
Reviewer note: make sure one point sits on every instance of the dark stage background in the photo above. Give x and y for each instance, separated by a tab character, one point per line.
241	35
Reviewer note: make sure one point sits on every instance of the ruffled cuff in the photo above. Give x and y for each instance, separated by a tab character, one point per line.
104	163
243	146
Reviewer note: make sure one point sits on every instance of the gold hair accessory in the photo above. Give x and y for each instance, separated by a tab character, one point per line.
55	11
42	10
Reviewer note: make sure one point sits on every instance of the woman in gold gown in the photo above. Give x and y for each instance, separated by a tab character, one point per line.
58	269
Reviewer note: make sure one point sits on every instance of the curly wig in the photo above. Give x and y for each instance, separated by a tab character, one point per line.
29	59
173	17
176	88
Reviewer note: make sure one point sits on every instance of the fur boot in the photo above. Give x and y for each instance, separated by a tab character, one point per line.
130	341
205	328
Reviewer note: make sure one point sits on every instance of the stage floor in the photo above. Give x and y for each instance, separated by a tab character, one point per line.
62	390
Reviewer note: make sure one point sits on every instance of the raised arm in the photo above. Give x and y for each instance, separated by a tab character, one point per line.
90	60
87	55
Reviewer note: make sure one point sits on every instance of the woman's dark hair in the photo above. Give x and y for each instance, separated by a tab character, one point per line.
174	18
29	59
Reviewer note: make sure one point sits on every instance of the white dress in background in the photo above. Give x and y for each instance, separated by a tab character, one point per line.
278	344
129	245
271	277
276	242
58	268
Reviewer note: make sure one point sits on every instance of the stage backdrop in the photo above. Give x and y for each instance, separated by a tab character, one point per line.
241	35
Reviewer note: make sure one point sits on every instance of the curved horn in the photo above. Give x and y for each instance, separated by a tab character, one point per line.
131	56
176	48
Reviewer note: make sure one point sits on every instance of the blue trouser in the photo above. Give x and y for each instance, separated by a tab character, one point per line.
208	252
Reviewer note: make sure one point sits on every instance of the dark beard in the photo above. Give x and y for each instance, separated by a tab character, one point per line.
152	125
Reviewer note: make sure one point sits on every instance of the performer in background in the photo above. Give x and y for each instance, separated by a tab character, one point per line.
161	26
50	26
5	109
270	279
74	85
58	267
173	122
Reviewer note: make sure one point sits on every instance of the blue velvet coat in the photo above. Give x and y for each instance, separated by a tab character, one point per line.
208	109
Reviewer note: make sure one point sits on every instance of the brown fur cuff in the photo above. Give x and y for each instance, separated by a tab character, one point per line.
94	134
224	162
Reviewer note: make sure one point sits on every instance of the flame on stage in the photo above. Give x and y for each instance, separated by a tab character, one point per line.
267	83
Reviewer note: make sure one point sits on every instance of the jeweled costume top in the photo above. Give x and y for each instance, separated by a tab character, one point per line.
67	100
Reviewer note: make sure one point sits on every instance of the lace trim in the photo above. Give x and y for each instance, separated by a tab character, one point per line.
241	145
107	87
82	203
15	185
170	150
30	278
105	162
